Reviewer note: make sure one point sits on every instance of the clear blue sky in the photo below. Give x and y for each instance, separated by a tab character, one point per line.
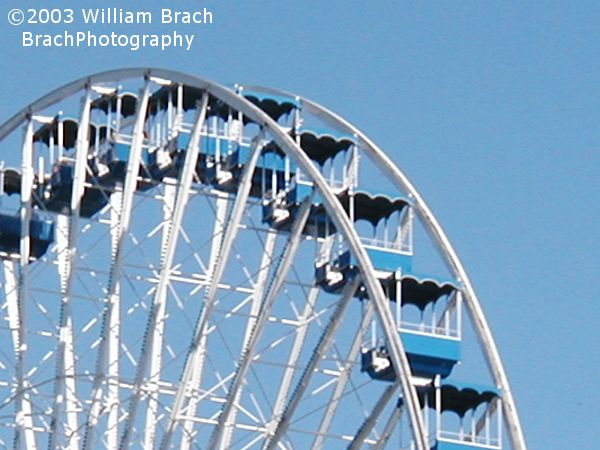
491	108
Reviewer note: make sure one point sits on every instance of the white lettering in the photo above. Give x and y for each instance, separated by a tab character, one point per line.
27	38
186	17
90	15
166	15
189	38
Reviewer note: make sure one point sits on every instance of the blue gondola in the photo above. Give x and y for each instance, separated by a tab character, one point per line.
41	233
463	399
429	353
55	195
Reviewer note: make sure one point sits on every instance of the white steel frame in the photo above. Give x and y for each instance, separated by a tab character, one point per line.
334	210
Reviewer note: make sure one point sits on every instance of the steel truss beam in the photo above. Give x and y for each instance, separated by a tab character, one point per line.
301	332
11	269
152	387
157	311
283	421
343	378
114	334
266	262
291	367
389	428
195	359
223	432
133	167
68	228
24	420
369	423
187	427
393	173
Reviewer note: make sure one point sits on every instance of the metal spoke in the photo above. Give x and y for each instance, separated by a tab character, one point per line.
343	378
12	305
133	167
194	361
389	428
292	363
302	330
283	421
367	426
222	434
157	311
218	234
114	335
68	227
12	302
151	388
259	292
24	422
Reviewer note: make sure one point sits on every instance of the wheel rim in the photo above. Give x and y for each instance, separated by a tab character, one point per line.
130	388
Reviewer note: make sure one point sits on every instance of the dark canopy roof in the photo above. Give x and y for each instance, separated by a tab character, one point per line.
422	291
460	397
272	147
12	181
372	206
71	127
48	130
322	145
160	99
274	105
108	102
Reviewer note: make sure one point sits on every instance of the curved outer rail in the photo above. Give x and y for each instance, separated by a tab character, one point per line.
292	150
435	230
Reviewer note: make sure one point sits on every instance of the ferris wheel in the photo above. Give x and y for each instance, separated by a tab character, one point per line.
196	266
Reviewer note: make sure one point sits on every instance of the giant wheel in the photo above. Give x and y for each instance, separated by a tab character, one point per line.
187	265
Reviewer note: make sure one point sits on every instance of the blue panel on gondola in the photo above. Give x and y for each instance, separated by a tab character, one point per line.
41	233
183	140
389	260
239	157
56	196
300	192
318	222
121	153
382	259
428	356
445	445
156	164
431	355
209	145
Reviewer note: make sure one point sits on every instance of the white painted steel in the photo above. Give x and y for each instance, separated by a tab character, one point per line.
222	434
194	362
67	230
158	306
433	227
343	224
24	421
342	381
283	421
125	209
